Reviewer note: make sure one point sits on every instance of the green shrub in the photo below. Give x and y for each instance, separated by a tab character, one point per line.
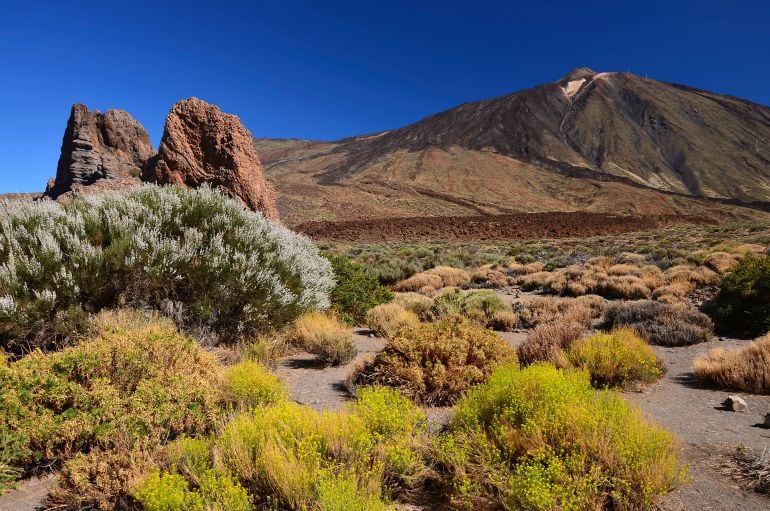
661	323
142	383
356	291
542	439
742	305
250	384
196	256
162	491
435	363
477	306
291	457
616	358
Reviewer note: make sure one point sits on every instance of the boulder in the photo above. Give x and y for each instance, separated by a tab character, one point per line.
107	149
735	403
201	144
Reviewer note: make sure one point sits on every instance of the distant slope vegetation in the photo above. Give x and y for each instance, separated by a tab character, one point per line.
603	142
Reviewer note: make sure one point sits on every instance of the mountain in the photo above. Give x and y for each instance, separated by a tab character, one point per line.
590	141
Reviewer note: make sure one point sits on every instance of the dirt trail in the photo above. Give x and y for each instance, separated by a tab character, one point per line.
708	432
29	494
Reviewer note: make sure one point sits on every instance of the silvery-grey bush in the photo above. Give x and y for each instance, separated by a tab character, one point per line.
196	256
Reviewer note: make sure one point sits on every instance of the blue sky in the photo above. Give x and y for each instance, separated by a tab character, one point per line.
331	69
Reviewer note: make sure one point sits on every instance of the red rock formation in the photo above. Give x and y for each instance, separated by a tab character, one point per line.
108	149
201	144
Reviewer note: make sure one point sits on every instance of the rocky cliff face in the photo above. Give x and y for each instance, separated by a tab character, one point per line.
107	148
202	144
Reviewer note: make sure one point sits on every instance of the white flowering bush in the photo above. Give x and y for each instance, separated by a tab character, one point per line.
196	256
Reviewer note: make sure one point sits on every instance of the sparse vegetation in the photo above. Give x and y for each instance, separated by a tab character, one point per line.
746	368
541	438
435	363
660	323
196	256
743	303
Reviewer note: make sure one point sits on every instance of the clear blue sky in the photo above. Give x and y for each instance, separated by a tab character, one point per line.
328	69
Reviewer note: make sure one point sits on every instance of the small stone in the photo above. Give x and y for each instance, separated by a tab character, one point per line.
767	420
735	403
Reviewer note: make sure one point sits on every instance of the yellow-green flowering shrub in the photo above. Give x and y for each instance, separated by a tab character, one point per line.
616	358
540	438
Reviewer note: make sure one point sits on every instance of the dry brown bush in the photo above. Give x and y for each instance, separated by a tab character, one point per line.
675	291
450	276
720	262
423	283
490	278
750	248
627	287
632	258
534	280
435	363
652	276
599	262
505	321
595	302
746	368
515	268
388	318
547	309
623	269
661	323
549	342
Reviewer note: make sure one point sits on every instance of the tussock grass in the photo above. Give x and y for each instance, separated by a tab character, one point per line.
389	318
746	368
324	336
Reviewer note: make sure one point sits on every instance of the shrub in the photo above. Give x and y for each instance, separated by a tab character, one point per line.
505	321
387	319
430	281
290	457
417	303
162	491
548	342
124	386
435	363
196	256
746	368
539	310
324	336
661	323
356	291
541	439
477	306
249	384
616	358
742	305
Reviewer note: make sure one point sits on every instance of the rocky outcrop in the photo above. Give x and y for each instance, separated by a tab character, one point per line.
107	149
201	144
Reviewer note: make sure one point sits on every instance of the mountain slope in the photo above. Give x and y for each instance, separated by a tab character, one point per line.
590	141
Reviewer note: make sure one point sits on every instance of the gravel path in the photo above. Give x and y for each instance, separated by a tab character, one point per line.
709	433
29	494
